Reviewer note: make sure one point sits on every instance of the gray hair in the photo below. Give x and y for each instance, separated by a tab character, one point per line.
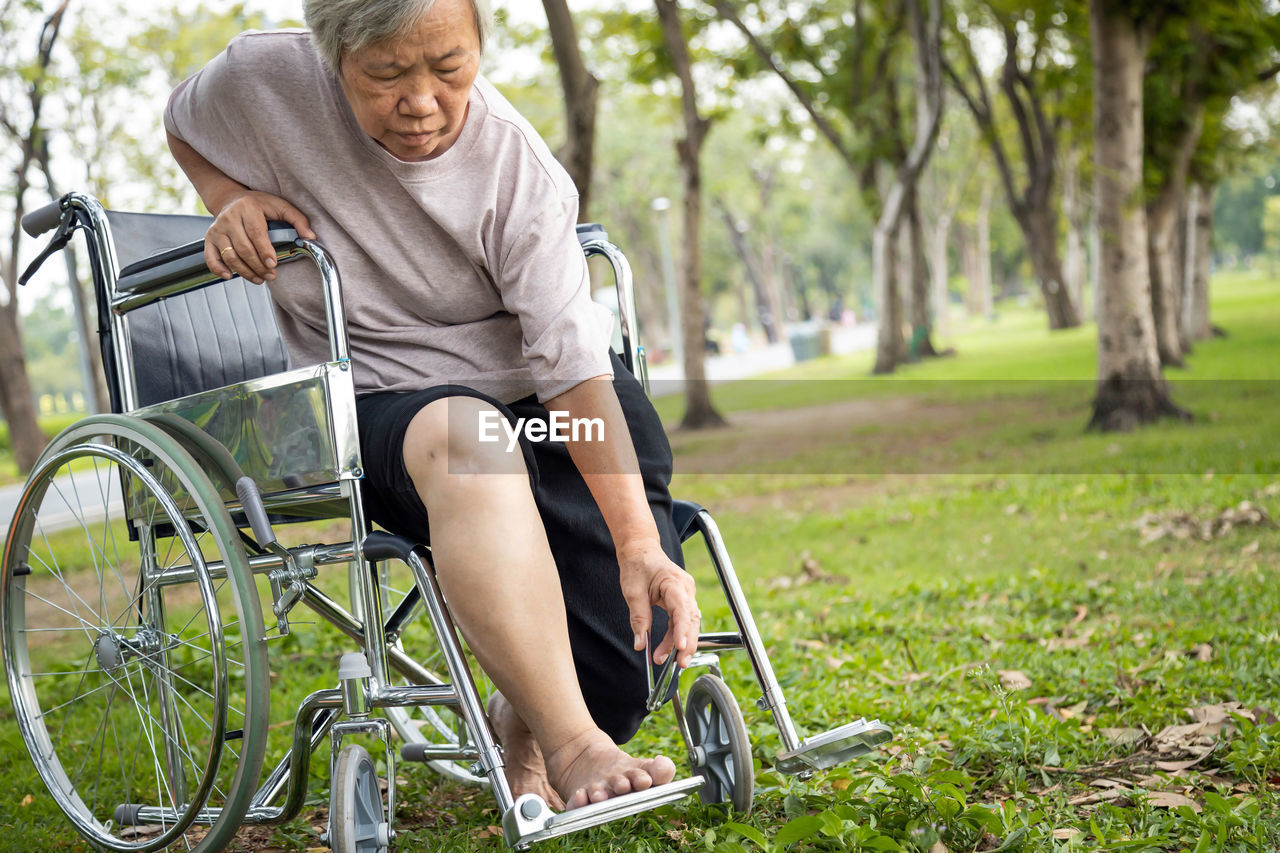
338	25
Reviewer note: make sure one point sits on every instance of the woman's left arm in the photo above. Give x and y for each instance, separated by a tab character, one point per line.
612	474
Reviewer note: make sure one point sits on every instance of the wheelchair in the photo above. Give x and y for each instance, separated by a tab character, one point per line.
143	582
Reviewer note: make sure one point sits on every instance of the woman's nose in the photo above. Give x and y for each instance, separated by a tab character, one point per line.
418	101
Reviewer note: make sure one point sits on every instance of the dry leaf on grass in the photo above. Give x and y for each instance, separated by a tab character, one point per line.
27	800
1014	679
1065	833
1152	527
1123	736
490	832
1171	800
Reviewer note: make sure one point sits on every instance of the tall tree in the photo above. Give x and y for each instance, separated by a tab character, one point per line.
858	109
21	121
581	89
1131	388
1207	54
1026	81
698	412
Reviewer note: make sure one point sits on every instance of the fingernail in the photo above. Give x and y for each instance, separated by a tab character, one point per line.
639	643
271	262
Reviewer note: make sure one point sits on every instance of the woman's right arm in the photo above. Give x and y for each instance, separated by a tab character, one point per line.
241	218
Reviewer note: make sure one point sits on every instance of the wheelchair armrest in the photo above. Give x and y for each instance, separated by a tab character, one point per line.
184	262
684	513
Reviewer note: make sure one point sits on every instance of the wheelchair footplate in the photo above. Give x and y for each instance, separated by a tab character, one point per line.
530	819
834	747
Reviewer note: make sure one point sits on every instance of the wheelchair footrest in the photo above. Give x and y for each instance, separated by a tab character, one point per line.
834	747
530	819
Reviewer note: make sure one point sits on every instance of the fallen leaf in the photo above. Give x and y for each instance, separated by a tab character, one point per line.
490	832
1014	679
1065	833
1250	549
1170	800
1123	736
1108	783
1179	766
939	847
840	784
1202	653
27	800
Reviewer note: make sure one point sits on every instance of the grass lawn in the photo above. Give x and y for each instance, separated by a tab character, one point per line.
1074	636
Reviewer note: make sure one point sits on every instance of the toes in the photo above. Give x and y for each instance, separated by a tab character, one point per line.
579	799
661	769
620	784
640	780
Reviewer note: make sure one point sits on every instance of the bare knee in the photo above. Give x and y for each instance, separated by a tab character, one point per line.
459	437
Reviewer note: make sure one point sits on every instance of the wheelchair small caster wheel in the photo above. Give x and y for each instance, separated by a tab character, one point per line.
356	820
719	750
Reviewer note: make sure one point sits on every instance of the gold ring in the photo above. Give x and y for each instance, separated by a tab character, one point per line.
228	249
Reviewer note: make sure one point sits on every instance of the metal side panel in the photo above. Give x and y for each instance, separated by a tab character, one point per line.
291	432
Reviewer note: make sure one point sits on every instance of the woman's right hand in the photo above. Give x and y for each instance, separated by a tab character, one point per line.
237	243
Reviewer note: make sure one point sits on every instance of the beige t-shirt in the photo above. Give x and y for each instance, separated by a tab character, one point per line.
461	269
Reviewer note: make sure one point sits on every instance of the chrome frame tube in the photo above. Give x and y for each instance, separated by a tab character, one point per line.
633	352
168	705
773	698
490	756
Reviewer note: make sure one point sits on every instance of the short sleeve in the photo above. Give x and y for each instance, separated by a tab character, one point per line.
214	112
544	282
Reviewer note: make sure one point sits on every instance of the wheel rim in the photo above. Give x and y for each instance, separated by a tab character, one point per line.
356	805
720	752
119	676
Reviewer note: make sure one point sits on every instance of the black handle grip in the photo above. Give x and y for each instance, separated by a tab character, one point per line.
45	219
251	501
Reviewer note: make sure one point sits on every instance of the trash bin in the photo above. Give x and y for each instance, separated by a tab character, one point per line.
804	341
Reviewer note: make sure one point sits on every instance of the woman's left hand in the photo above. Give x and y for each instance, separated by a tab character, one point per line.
650	578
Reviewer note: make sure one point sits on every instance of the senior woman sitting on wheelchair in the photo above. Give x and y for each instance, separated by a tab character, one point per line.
466	293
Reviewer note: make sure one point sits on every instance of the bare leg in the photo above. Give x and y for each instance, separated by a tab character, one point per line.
495	568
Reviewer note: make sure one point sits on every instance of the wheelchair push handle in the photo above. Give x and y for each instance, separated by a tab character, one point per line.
45	219
255	512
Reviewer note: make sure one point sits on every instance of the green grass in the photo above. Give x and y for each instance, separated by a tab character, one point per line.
964	537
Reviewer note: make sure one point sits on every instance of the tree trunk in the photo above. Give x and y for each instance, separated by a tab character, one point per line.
891	349
1131	389
1200	250
938	271
764	305
1074	262
1039	224
1162	225
1162	220
986	297
921	322
580	92
699	412
17	403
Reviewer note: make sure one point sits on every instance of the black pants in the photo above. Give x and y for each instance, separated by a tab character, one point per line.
610	673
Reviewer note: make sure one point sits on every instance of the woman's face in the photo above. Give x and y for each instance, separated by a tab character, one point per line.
410	93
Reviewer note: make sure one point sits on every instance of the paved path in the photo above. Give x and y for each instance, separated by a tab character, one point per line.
76	497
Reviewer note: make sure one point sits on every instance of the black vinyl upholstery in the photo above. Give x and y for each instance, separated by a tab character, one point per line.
199	340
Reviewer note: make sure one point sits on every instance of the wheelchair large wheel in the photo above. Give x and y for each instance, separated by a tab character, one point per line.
411	633
719	750
133	641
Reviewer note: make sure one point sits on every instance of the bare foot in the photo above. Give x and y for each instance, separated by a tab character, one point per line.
525	770
590	769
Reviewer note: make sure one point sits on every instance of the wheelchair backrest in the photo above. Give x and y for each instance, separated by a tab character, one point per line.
199	340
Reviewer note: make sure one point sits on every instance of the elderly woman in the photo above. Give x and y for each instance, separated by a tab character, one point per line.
467	294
